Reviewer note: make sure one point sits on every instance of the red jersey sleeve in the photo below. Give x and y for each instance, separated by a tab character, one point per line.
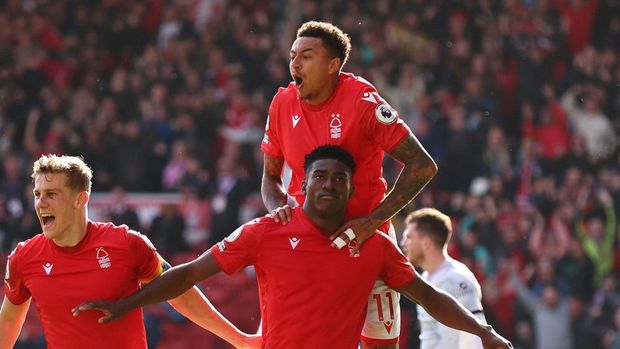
397	271
14	287
238	250
271	144
381	123
148	263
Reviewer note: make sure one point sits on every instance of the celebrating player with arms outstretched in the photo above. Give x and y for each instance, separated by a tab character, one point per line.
312	295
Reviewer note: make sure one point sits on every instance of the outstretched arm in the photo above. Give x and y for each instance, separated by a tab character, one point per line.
445	309
419	168
273	191
169	285
12	318
196	307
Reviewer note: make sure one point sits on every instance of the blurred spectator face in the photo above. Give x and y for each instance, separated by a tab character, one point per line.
576	249
473	86
595	227
118	195
544	270
457	118
590	103
158	93
495	138
550	297
573	177
576	307
311	67
12	167
118	81
617	318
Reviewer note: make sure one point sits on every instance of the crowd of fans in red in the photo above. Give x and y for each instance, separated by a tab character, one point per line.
518	101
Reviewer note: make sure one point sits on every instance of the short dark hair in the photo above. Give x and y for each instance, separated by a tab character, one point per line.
334	39
79	175
333	152
432	223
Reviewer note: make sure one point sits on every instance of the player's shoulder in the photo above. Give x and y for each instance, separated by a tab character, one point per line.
110	232
458	271
108	229
352	82
382	240
285	93
25	247
264	223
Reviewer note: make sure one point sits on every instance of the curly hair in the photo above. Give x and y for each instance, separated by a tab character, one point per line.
334	39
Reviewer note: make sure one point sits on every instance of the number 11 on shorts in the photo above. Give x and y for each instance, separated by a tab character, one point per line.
390	303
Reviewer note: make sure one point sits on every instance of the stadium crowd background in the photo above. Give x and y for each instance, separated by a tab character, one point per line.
517	100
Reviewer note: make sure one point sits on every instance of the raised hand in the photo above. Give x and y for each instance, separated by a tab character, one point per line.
358	229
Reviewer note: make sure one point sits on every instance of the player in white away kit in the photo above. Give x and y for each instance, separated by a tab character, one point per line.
425	242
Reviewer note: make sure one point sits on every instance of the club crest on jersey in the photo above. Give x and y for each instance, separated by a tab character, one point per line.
335	126
385	114
103	258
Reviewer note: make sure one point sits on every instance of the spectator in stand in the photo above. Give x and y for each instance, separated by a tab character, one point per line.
549	129
168	231
598	234
579	17
551	315
120	212
589	121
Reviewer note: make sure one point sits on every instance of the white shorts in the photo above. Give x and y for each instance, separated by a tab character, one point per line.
382	324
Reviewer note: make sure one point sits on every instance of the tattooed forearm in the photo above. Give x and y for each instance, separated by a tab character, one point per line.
419	169
272	189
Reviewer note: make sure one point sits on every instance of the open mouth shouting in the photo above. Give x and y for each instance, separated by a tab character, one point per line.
298	81
47	219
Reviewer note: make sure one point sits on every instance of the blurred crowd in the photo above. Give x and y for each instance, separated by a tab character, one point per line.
518	101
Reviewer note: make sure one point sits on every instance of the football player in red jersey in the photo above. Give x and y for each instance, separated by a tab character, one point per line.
324	105
75	258
302	278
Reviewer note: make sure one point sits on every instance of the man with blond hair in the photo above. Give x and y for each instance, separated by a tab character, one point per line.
75	258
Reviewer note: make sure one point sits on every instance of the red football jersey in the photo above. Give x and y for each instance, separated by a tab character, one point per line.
311	294
355	117
107	264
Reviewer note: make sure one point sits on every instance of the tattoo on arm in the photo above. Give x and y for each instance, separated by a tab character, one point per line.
272	188
419	168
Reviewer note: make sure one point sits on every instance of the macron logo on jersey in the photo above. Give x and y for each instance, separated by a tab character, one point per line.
295	119
294	242
48	267
388	326
371	97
